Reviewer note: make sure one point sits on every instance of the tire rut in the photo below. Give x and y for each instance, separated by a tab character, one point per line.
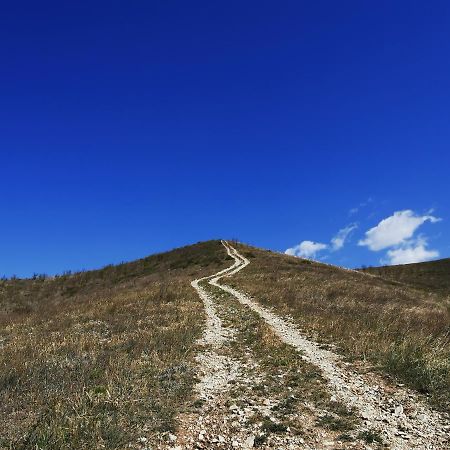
404	421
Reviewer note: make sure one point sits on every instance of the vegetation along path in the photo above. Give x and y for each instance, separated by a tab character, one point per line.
326	405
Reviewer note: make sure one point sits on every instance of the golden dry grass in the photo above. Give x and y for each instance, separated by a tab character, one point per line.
100	359
430	276
402	330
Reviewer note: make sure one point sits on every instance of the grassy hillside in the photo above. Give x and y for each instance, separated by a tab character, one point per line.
100	359
104	358
401	330
432	275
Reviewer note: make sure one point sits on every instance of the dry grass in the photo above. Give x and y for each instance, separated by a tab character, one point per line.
400	329
100	359
430	276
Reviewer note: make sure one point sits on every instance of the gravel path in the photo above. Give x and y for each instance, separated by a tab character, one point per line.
230	409
404	421
216	369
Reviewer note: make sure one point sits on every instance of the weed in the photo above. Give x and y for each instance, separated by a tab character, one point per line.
371	437
273	427
260	440
336	423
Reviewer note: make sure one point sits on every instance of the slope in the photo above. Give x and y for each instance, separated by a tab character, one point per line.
101	359
400	330
264	383
432	275
221	345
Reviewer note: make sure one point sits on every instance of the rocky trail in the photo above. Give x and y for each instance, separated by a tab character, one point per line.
263	384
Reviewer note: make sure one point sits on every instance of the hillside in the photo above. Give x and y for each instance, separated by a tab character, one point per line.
399	328
98	359
431	275
222	346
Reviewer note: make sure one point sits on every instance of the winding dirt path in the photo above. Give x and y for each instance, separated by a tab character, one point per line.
217	369
404	421
230	408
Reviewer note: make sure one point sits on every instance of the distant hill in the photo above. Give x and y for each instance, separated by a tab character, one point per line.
432	275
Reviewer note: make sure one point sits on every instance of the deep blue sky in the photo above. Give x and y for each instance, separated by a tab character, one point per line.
128	128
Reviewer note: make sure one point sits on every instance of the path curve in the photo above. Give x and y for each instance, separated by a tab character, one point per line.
425	429
217	370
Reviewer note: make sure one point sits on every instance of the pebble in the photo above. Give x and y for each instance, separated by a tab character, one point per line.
249	442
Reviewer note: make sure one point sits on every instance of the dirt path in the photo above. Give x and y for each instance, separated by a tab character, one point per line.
218	370
261	383
401	418
240	402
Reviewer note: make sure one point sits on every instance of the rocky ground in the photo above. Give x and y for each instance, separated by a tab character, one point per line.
262	384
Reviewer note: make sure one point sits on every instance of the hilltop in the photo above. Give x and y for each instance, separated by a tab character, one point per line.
431	275
262	350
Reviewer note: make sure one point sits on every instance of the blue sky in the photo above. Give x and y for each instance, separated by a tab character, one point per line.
128	128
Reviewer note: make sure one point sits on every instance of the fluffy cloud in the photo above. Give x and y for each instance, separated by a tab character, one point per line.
396	234
395	230
309	249
339	240
414	251
306	249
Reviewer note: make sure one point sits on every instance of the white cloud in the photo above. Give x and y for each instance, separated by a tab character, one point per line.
306	249
395	230
309	249
412	252
339	240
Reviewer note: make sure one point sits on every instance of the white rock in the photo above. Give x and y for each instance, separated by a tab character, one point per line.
249	442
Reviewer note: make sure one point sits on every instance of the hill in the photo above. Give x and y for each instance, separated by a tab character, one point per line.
223	346
401	329
431	275
98	359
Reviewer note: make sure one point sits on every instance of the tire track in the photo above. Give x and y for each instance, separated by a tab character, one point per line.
217	370
421	428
